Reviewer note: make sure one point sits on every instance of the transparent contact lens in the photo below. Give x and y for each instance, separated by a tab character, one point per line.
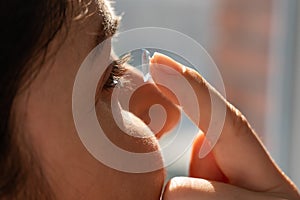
145	64
140	59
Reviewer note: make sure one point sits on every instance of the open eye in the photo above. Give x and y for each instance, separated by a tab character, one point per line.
117	70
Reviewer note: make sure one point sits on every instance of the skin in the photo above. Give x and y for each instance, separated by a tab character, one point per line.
238	167
45	110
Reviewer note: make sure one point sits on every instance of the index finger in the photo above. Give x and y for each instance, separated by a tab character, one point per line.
238	152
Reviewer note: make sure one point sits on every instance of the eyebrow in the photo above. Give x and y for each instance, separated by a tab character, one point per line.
103	35
109	24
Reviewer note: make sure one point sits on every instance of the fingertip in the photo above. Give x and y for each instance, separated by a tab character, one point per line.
161	59
155	56
158	57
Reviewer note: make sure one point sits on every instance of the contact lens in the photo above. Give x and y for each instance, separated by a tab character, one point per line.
140	59
145	64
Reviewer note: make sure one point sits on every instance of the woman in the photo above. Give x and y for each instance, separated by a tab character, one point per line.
43	45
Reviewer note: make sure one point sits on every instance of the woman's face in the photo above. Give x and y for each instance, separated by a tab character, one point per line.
45	111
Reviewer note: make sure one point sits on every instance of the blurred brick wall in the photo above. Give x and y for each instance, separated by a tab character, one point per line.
241	53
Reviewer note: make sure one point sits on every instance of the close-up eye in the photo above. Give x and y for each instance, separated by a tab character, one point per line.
138	60
114	72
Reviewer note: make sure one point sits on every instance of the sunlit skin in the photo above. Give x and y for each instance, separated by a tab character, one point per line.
46	109
238	167
73	173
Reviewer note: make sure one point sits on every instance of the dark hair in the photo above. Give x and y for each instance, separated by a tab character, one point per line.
27	29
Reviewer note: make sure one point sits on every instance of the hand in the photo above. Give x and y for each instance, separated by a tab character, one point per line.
238	167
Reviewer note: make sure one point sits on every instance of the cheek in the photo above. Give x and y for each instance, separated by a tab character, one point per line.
130	185
119	185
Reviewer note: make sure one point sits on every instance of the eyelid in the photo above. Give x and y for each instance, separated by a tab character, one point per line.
116	71
107	74
113	72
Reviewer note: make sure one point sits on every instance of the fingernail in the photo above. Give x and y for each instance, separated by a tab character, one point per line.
166	62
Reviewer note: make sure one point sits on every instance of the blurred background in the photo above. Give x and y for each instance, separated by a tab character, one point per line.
255	45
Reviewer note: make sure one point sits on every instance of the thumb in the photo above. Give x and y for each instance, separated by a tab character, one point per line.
186	188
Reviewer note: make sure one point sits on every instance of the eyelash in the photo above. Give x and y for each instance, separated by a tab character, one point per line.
117	71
